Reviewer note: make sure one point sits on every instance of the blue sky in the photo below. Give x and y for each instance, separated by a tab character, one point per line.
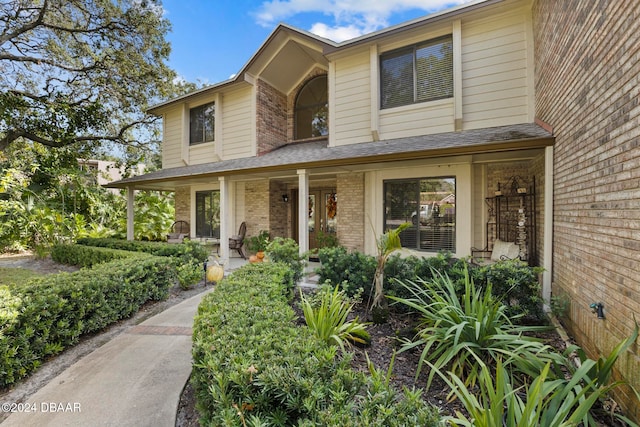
213	39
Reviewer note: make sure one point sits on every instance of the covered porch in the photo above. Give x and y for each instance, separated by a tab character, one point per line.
312	192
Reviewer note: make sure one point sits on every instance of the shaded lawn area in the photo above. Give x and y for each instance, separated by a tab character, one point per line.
16	275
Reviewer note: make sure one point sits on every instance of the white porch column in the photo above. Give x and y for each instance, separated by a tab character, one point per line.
225	218
547	262
303	210
130	199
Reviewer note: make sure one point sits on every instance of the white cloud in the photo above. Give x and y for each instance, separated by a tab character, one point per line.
349	18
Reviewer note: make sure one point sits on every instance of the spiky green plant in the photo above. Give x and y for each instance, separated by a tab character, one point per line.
457	332
329	319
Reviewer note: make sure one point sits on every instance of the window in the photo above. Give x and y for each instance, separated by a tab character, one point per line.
311	109
419	73
208	214
429	204
202	123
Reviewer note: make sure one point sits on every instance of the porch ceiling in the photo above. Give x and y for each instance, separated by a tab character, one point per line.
314	155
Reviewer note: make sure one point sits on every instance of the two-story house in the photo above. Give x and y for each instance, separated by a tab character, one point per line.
418	123
515	120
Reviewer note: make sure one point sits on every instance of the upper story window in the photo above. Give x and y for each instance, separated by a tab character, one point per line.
419	73
311	109
202	123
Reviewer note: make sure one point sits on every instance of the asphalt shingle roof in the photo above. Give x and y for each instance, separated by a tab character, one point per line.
317	153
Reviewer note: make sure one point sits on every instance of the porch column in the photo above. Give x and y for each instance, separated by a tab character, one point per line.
130	199
303	210
225	214
547	262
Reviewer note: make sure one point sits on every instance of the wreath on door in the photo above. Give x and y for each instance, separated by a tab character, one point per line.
332	206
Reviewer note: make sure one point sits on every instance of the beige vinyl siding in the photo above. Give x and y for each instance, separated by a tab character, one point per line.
202	153
237	131
172	138
494	72
417	119
353	99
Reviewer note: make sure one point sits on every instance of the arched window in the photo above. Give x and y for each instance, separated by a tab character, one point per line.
311	109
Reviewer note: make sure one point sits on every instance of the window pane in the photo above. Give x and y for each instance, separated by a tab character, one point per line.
434	70
208	214
202	124
396	79
311	109
429	205
401	205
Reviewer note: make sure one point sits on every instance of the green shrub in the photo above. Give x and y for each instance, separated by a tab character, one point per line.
328	320
253	366
337	265
517	285
287	251
189	274
42	317
86	256
184	252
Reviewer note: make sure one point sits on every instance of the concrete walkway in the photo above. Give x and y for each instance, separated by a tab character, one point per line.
136	379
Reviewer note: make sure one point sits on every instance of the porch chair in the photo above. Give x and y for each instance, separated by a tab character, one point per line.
237	241
179	232
501	251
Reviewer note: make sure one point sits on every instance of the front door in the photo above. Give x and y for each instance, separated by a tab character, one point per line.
323	216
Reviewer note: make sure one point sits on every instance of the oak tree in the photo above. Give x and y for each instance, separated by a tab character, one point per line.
81	71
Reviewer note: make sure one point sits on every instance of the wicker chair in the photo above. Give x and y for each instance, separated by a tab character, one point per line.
237	241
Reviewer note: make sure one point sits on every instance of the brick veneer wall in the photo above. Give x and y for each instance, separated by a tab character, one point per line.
271	118
182	198
351	215
278	210
587	83
256	206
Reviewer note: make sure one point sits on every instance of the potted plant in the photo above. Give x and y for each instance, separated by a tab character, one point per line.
258	244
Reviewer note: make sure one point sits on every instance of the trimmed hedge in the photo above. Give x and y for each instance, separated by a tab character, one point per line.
42	317
254	366
186	251
513	281
87	256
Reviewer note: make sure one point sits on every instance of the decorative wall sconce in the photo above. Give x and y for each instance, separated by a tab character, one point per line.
285	198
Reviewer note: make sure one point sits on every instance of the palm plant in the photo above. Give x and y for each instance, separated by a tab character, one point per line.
388	243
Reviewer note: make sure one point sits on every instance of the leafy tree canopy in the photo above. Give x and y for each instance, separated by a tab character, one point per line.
82	71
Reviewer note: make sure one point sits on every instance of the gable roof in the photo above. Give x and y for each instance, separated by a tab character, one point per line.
318	154
327	46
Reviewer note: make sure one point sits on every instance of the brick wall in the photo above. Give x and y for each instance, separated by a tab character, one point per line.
182	200
587	83
351	215
271	118
256	206
278	210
